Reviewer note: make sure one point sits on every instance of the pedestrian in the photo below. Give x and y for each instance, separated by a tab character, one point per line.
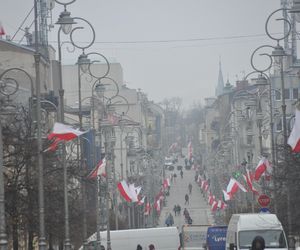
175	175
178	209
190	188
139	247
186	197
185	161
172	178
189	220
258	243
181	174
175	210
167	221
186	213
151	247
171	219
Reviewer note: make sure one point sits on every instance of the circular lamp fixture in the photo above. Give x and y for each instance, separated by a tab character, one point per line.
84	62
65	21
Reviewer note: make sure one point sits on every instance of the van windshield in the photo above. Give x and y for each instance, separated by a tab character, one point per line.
273	238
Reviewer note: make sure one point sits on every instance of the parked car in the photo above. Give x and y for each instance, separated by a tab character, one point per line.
179	167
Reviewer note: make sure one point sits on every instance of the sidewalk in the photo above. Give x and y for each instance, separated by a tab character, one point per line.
198	208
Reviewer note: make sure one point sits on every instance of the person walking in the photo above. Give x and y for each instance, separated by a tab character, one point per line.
258	243
175	176
178	209
175	209
190	188
139	247
181	174
186	197
186	213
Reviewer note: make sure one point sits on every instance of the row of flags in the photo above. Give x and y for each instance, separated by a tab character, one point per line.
243	182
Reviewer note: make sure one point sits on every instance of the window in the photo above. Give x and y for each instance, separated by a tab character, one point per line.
249	139
279	125
295	93
286	94
277	95
273	238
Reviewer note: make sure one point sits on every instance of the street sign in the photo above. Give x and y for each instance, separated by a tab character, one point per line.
264	200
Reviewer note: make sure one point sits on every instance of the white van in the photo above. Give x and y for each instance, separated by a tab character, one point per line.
243	228
164	238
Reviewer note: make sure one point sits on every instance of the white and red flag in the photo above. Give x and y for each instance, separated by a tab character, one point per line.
294	138
147	209
214	206
261	168
2	31
141	201
249	178
211	199
62	133
124	190
99	170
133	194
157	206
226	196
222	205
233	186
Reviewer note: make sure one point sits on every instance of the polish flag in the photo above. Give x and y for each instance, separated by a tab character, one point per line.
64	132
248	178
165	184
206	186
124	191
226	196
147	209
222	205
133	193
211	199
141	201
2	31
261	168
294	138
214	206
157	205
99	170
233	186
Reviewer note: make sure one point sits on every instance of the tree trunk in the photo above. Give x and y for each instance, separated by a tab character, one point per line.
15	235
30	238
50	242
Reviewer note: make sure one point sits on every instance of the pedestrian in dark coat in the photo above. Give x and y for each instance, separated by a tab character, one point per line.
186	197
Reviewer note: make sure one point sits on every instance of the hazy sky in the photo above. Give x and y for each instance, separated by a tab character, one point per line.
189	68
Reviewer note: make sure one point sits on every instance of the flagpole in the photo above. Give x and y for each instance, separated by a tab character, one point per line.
98	205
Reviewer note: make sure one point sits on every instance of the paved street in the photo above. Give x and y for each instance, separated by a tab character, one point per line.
198	208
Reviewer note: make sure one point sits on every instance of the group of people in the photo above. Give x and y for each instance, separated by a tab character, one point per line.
151	247
177	209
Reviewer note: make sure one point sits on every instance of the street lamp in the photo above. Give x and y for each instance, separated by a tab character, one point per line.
66	21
